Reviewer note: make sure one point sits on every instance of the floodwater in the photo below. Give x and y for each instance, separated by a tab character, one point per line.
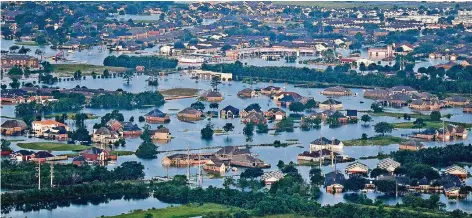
188	134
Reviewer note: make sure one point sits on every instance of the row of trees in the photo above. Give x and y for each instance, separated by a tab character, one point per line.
127	100
134	61
338	75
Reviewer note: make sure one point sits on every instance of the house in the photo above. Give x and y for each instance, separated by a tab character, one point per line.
467	108
161	133
451	185
22	155
105	136
114	125
227	152
39	127
271	177
337	91
411	145
157	116
215	165
13	127
428	134
357	168
420	104
324	143
41	156
189	114
185	159
461	132
249	109
79	160
403	89
247	93
381	53
275	114
457	171
13	60
351	114
95	154
271	90
456	101
212	96
317	156
245	160
334	182
443	135
331	104
229	112
397	99
254	117
56	133
376	93
388	164
130	129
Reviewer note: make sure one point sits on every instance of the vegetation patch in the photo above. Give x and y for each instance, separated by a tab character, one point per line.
189	210
52	146
400	115
65	70
180	92
121	153
28	43
71	115
376	140
430	124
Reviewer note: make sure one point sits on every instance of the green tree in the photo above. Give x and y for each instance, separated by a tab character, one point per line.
198	106
376	108
377	172
106	73
15	84
214	105
228	127
296	107
215	81
316	176
262	128
207	132
383	127
366	118
15	71
419	124
252	173
435	116
146	150
141	119
248	130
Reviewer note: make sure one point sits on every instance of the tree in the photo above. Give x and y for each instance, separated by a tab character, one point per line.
23	50
79	118
215	81
131	119
377	172
81	135
262	128
419	123
366	118
252	173
128	76
15	71
355	183
296	107
316	176
228	182
15	84
383	127
310	104
228	127
207	132
435	116
248	129
106	73
376	108
129	170
141	119
13	48
77	74
147	149
214	105
386	186
6	145
198	106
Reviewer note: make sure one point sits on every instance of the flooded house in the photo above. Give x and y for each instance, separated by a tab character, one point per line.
246	160
271	177
337	91
467	108
271	90
212	96
334	182
216	165
317	156
104	135
40	127
41	156
182	160
247	93
324	143
254	117
331	104
457	171
396	100
95	154
253	108
229	112
157	116
456	101
227	152
357	168
451	185
56	133
403	90
275	113
190	114
376	93
130	129
428	105
21	155
411	145
161	133
13	127
427	134
388	164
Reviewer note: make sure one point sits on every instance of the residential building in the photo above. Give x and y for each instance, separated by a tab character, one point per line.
254	117
157	116
337	91
271	90
229	112
247	93
9	61
388	164
249	109
245	160
334	182
40	127
357	168
13	127
324	143
215	165
331	104
275	113
457	171
411	145
189	114
161	133
271	177
103	135
95	154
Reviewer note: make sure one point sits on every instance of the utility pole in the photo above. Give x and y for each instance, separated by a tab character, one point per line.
188	163
39	175
52	174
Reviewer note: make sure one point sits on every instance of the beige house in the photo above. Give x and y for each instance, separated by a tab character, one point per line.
162	133
40	127
103	135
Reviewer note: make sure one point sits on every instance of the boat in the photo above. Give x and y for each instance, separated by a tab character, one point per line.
190	60
361	102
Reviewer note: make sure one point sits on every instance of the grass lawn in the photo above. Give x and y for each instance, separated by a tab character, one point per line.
376	140
409	125
52	146
71	116
180	92
189	210
67	70
122	153
391	114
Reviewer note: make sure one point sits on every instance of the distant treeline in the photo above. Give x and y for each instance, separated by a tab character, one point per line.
127	101
146	61
436	156
341	75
